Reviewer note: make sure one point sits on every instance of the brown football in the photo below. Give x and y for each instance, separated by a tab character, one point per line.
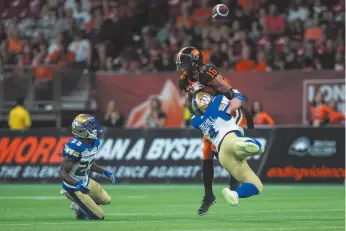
220	11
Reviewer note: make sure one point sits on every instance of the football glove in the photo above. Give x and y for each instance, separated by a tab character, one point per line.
79	185
110	175
229	94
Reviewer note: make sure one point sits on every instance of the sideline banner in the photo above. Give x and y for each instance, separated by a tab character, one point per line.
285	95
306	155
135	155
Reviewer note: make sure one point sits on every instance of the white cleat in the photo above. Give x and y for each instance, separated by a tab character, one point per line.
230	196
247	149
63	192
74	207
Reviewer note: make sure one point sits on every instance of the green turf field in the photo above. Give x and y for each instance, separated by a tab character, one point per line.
174	208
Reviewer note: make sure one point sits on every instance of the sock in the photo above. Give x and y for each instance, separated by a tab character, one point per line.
208	175
247	190
233	183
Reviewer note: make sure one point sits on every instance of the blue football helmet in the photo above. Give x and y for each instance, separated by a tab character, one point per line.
86	126
201	101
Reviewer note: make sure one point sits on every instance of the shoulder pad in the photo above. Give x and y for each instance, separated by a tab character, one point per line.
194	121
207	73
73	148
210	65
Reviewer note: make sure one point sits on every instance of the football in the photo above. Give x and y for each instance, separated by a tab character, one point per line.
220	11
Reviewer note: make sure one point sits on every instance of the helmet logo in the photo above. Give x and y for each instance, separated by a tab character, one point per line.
195	54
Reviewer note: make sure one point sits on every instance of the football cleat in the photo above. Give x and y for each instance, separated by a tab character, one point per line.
80	215
230	196
206	203
74	207
249	148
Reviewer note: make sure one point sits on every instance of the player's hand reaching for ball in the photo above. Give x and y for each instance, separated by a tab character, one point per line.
110	175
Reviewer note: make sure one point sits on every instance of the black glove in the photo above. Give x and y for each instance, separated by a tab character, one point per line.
229	94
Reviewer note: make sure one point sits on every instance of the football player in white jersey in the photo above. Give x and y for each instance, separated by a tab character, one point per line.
212	116
78	160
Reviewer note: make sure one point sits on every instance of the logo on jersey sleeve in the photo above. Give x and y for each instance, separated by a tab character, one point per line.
71	152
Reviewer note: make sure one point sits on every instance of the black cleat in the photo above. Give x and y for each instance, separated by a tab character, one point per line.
206	203
81	216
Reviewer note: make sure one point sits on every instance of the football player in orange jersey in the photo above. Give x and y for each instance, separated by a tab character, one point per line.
196	76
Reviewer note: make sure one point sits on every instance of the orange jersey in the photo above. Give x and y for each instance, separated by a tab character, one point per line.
263	118
335	117
15	45
319	113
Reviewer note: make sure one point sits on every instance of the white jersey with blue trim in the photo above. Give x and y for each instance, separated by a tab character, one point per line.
84	155
216	123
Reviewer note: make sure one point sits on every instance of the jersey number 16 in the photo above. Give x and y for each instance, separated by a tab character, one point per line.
212	72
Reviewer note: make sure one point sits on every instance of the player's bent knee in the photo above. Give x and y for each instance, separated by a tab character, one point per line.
107	200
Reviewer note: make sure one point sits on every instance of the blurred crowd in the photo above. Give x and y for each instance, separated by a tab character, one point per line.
144	35
325	113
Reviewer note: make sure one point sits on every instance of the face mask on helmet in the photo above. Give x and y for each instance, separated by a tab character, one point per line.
185	70
183	83
93	127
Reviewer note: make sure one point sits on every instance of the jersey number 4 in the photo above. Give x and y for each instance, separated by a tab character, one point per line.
212	72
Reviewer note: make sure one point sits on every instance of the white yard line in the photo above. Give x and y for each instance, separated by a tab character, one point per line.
170	214
57	197
183	220
253	217
265	229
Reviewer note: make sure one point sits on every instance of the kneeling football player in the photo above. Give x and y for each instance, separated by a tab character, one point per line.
212	116
78	160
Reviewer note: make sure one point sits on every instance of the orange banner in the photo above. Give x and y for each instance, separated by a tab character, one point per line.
31	150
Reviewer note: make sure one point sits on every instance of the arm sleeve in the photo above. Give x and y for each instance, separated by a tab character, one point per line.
239	96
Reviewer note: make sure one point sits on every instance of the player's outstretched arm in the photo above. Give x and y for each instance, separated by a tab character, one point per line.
219	84
66	166
97	168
